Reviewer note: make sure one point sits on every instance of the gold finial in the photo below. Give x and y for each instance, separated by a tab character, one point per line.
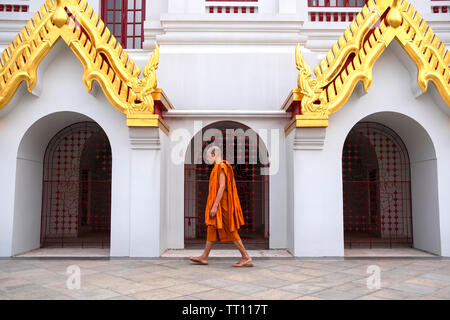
394	18
60	16
304	75
144	87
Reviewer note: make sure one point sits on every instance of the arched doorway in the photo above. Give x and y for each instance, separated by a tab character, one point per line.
76	188
376	188
243	149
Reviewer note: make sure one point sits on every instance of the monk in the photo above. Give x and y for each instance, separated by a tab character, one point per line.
223	213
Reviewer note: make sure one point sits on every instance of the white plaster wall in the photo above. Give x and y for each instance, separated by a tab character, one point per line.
198	6
290	195
154	8
62	90
28	187
146	192
227	78
254	70
96	5
268	6
316	228
426	218
391	92
187	127
166	194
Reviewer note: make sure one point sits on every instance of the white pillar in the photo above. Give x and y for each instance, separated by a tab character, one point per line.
145	192
154	9
317	210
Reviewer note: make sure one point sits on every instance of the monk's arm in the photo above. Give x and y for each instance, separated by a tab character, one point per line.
221	189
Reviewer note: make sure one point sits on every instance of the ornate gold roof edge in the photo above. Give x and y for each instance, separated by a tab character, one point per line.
102	57
352	58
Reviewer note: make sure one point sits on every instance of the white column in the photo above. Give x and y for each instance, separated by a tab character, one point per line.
154	9
152	23
302	10
317	216
145	213
444	201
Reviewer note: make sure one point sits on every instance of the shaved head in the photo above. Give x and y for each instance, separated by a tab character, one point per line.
215	150
213	153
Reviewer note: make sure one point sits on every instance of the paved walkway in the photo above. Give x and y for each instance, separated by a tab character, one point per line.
271	278
183	253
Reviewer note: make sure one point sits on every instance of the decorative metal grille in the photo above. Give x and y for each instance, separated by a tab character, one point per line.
252	187
13	8
377	188
337	15
336	3
76	204
232	6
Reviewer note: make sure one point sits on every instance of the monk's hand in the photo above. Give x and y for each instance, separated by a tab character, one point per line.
213	211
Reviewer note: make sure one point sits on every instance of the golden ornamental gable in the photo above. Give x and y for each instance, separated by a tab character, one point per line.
352	58
102	56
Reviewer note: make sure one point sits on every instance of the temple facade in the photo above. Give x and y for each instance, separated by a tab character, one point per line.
335	116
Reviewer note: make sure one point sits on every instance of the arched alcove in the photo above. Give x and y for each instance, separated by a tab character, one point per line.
247	154
377	188
408	156
30	174
76	207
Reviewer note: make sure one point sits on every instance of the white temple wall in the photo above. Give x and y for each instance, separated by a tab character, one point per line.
424	127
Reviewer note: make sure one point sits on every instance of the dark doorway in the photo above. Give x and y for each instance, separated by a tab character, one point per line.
76	206
377	188
252	186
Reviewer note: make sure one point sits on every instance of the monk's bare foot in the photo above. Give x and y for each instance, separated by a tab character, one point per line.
244	262
199	260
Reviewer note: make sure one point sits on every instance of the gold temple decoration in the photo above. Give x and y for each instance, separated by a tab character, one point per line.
352	58
101	55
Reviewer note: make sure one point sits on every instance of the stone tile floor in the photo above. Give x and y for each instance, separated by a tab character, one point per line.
270	278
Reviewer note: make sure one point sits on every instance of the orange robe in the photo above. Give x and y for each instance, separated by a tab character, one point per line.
225	225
